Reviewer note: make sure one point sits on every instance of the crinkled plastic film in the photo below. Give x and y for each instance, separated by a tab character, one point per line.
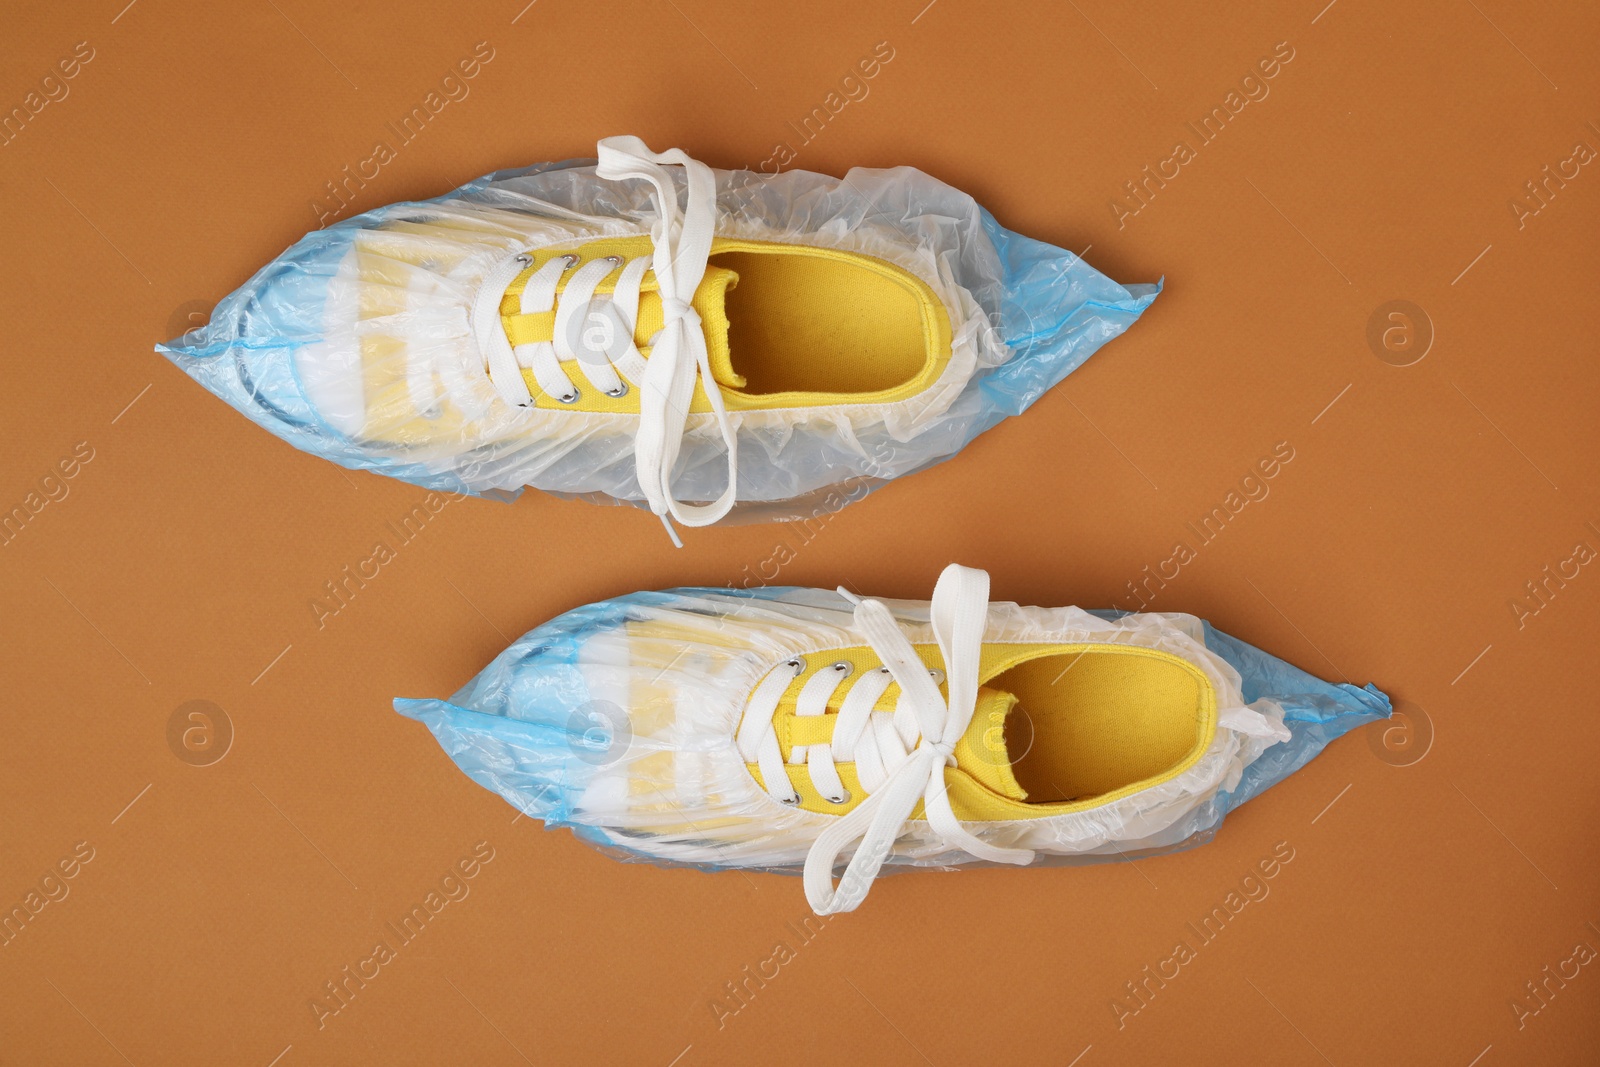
400	280
618	720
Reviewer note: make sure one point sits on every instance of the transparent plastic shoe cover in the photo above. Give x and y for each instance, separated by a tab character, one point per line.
619	720
311	346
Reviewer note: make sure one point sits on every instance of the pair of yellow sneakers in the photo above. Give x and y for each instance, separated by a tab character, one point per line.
641	328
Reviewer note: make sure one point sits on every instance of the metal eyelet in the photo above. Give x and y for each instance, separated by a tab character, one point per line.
844	667
791	800
798	664
613	259
884	670
937	675
845	799
524	258
571	261
570	398
621	390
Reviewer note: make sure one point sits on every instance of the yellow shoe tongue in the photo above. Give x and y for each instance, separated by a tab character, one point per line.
982	752
711	304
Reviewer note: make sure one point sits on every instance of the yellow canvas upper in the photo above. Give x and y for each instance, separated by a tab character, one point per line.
1104	721
786	326
795	288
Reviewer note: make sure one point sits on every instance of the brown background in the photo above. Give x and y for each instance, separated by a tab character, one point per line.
1457	858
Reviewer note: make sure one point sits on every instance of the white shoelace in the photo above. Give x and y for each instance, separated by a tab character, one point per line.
682	247
899	757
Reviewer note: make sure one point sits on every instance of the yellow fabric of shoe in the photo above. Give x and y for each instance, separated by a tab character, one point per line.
1057	728
784	728
786	326
837	331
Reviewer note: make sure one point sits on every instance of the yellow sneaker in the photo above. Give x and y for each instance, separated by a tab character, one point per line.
787	728
784	343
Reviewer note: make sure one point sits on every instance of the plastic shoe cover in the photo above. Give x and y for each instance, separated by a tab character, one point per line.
373	342
783	728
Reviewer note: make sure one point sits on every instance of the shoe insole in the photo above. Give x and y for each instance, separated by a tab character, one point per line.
1091	723
802	323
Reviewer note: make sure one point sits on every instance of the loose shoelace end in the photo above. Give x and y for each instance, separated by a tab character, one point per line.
677	542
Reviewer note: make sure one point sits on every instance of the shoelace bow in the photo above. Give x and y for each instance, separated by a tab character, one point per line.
681	249
959	612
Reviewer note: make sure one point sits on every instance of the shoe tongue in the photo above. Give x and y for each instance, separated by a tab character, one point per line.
711	304
982	752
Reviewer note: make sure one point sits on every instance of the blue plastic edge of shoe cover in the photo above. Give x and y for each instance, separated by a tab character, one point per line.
1046	344
1316	712
526	726
527	729
278	311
